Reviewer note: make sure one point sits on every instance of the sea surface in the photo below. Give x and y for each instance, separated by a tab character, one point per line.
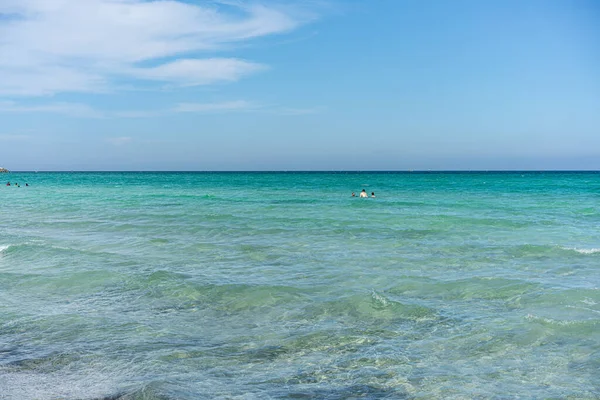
283	286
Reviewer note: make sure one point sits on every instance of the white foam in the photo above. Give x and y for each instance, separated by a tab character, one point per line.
589	302
4	247
584	251
380	299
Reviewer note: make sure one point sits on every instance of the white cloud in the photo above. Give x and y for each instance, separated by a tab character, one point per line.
54	46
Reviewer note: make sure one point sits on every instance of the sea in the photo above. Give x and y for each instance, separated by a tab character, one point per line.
281	285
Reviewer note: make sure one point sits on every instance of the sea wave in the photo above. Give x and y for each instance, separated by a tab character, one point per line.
24	383
582	251
548	250
474	288
586	323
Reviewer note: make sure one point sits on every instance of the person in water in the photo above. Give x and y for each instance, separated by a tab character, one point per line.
363	193
372	194
353	194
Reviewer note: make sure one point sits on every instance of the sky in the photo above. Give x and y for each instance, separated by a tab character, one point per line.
299	85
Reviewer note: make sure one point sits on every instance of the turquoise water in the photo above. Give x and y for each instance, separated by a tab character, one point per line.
283	286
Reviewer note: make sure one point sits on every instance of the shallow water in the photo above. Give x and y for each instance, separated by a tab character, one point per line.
281	285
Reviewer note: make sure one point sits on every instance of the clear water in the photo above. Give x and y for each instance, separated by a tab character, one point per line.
283	286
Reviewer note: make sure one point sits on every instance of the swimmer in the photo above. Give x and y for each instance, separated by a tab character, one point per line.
363	193
353	194
372	194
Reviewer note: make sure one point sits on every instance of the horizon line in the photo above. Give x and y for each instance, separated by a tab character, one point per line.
311	171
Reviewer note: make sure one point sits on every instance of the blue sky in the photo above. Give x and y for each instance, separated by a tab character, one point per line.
299	85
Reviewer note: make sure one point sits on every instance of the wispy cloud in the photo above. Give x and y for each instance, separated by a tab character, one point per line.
213	107
68	109
54	46
198	72
197	108
119	141
14	138
298	111
79	110
137	114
